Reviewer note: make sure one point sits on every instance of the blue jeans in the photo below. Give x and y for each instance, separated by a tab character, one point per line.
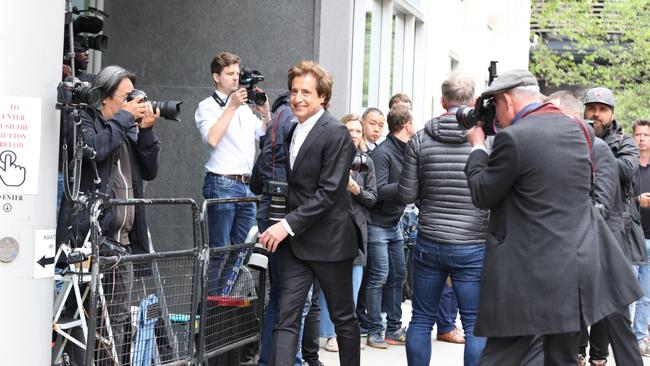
386	268
432	264
326	325
228	223
447	311
642	312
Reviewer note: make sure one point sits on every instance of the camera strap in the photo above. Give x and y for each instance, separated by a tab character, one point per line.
582	126
273	140
217	98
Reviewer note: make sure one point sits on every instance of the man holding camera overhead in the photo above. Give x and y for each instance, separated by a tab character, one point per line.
230	127
551	264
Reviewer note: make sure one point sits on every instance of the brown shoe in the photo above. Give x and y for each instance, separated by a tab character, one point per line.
455	336
582	361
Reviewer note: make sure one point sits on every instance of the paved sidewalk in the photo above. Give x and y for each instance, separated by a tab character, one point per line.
442	354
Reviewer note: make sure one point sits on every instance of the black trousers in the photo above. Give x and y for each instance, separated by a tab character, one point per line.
558	350
335	279
311	331
617	330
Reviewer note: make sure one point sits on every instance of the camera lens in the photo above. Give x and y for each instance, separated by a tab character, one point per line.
260	98
466	117
169	109
277	208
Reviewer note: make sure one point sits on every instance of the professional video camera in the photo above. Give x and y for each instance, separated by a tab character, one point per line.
248	78
89	27
484	111
360	162
74	92
169	109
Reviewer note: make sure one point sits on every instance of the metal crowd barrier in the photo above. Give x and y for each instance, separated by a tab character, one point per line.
232	311
185	307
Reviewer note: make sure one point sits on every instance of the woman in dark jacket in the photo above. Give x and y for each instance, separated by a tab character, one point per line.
363	189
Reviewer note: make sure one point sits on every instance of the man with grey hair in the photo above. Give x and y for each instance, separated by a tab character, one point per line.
551	264
119	130
451	231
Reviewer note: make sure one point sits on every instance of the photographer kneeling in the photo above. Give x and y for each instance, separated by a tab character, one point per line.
118	132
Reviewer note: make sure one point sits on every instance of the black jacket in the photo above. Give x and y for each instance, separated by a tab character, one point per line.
319	205
388	158
434	178
626	152
360	204
551	264
106	137
271	161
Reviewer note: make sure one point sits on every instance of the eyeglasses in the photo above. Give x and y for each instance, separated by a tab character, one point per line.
121	97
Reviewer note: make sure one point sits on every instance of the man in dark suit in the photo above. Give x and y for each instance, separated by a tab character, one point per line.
551	264
323	239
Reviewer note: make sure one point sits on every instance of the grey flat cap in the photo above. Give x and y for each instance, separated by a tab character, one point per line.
510	79
600	95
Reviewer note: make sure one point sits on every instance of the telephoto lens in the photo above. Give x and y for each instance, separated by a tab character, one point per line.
278	208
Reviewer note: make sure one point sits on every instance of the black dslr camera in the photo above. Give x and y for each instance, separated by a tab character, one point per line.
360	162
169	109
74	92
485	111
248	78
278	192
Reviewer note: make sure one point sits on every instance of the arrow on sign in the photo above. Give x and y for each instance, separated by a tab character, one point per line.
45	261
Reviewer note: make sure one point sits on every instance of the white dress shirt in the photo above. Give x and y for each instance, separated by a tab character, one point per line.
235	153
298	138
300	134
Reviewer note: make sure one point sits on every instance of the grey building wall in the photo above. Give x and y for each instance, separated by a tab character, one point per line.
169	45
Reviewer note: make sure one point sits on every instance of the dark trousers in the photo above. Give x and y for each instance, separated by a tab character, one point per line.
335	279
559	350
617	329
311	332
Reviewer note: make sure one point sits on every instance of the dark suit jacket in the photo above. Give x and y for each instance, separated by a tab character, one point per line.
550	259
318	202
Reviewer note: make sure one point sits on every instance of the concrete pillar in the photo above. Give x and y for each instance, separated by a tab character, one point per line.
31	37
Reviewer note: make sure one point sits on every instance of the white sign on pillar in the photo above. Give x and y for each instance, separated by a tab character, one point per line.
20	137
44	251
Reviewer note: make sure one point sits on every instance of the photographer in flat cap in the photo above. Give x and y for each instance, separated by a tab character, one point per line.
551	264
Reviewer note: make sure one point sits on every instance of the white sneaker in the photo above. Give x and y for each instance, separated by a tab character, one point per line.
644	347
331	345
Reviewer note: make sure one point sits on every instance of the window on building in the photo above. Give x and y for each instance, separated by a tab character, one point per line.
366	58
386	33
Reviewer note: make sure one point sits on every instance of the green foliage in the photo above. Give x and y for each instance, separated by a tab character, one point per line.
609	48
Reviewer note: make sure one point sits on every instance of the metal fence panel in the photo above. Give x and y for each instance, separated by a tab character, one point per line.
145	310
